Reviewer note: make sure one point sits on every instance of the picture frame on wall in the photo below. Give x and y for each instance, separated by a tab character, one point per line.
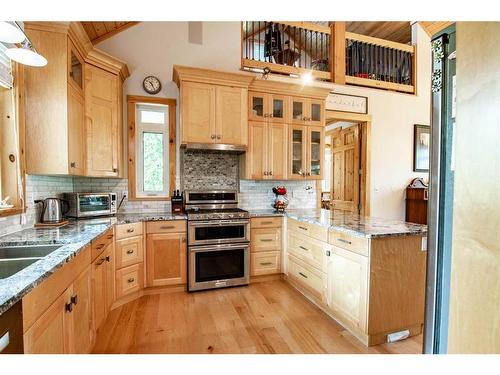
421	148
347	103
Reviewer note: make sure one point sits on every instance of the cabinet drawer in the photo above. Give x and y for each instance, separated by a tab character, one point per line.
100	243
313	280
309	250
171	226
266	222
129	280
265	263
312	230
265	239
129	251
358	245
128	230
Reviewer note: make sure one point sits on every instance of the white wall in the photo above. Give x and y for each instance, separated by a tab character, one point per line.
153	47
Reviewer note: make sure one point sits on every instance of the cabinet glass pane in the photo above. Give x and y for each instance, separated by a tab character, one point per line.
278	108
315	153
258	106
76	70
297	110
315	112
297	140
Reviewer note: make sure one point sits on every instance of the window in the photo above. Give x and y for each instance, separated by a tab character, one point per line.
151	148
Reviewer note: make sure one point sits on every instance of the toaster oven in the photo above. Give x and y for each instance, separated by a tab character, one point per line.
83	205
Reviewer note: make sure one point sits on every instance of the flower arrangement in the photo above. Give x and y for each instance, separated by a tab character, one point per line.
281	201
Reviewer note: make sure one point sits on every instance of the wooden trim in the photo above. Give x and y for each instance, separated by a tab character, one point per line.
132	100
379	84
337	52
307	25
285	69
217	77
335	116
434	27
268	86
113	32
379	42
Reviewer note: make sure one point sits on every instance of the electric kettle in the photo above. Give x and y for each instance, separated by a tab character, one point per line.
52	210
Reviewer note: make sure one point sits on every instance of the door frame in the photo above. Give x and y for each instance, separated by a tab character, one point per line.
364	122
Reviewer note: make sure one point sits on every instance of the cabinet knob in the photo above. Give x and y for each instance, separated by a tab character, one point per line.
130	230
130	251
265	173
115	170
212	136
73	164
270	115
270	173
108	259
266	115
219	136
130	280
74	299
304	118
68	307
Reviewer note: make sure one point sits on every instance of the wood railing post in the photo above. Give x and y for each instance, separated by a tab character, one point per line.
337	52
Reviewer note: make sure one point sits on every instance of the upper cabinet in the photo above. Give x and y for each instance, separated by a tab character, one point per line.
267	107
214	108
73	105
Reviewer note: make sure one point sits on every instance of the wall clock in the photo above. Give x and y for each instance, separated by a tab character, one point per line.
151	85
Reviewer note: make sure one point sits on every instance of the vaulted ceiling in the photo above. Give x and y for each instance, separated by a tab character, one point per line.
99	31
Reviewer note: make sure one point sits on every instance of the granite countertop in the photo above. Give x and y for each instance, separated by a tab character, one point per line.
270	212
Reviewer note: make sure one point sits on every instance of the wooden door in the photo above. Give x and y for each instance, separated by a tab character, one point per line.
81	332
76	132
345	169
166	259
231	115
278	108
101	112
315	152
109	255
49	334
297	152
277	151
347	286
298	110
198	113
258	106
257	150
99	277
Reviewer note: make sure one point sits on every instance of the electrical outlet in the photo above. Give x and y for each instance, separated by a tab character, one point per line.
125	193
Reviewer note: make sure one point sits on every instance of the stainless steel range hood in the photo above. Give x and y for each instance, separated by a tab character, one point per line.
215	147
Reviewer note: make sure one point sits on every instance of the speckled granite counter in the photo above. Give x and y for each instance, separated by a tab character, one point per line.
72	237
265	213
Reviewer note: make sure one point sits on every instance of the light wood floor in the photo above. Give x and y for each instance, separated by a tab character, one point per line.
266	317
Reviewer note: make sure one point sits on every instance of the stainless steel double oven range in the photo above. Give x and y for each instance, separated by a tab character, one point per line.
218	240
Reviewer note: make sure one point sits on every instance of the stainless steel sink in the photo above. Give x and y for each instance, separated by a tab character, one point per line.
15	258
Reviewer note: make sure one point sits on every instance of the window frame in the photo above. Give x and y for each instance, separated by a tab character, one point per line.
132	102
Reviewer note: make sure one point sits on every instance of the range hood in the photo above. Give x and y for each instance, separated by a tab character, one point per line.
215	147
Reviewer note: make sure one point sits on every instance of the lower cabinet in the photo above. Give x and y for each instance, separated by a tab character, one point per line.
66	326
347	286
166	255
103	284
312	279
265	263
129	280
265	246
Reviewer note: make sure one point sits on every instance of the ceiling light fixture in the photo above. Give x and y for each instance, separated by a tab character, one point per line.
26	55
10	33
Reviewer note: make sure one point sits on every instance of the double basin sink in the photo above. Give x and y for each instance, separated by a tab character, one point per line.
15	258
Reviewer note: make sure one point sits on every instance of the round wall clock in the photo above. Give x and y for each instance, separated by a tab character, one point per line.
151	85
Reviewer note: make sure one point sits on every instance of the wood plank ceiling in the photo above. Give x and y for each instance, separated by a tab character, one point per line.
396	31
99	31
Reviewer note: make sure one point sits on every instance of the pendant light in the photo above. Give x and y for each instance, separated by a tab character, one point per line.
26	55
10	33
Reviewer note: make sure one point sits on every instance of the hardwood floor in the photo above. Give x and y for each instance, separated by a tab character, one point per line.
266	317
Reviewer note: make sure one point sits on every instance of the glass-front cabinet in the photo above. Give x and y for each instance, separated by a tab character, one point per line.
75	67
297	152
299	106
307	111
267	107
315	151
306	147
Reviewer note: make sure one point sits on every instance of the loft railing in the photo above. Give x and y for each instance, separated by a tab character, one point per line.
379	63
286	47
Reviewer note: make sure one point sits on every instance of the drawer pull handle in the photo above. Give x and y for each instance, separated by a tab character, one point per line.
101	261
108	259
303	228
100	246
328	253
301	274
74	299
266	240
69	307
167	227
304	248
344	241
130	280
130	230
266	222
266	263
110	236
130	251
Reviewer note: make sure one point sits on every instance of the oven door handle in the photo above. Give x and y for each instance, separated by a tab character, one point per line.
217	223
233	246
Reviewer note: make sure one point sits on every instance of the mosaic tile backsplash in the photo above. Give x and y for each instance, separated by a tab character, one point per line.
209	170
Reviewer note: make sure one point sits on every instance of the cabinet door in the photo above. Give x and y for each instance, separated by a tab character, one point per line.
315	153
315	112
231	115
81	316
258	106
257	150
347	286
277	152
198	113
278	105
76	132
98	268
109	255
298	110
166	259
297	152
49	334
101	112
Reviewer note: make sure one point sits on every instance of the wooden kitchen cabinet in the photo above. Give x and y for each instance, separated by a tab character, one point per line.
231	122
306	152
307	111
101	125
81	316
265	245
268	107
166	256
